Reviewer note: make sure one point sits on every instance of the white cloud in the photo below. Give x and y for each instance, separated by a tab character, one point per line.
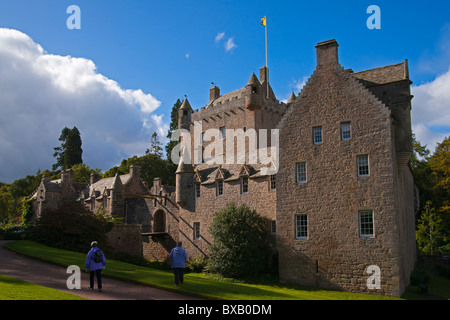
219	36
431	110
41	93
230	45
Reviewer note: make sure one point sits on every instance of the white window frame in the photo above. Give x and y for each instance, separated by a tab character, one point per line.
315	135
366	223
297	165
301	226
348	133
361	166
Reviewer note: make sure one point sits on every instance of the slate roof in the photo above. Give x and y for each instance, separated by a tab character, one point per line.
384	75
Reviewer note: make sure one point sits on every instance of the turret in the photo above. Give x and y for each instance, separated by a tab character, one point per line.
184	179
184	115
253	93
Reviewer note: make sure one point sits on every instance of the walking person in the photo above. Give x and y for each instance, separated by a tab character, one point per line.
95	263
179	257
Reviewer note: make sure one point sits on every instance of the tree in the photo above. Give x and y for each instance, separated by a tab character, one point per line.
155	146
430	232
69	153
172	127
242	245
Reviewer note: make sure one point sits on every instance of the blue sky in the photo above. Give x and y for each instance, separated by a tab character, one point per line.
162	50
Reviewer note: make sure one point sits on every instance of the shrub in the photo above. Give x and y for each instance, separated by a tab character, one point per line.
242	245
197	265
71	227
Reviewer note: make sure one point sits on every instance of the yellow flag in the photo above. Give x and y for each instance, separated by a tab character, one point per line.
264	21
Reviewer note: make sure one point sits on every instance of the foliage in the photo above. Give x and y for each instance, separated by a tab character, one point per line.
155	146
71	227
69	153
27	210
432	178
242	245
82	172
429	234
198	264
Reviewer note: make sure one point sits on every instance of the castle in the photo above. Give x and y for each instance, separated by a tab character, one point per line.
341	202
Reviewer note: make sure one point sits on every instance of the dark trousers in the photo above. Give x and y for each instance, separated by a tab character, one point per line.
97	273
178	273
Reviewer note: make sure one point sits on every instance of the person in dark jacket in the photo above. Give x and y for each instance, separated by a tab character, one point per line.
95	263
179	257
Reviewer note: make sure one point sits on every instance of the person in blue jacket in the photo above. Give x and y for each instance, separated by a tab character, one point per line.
95	262
179	257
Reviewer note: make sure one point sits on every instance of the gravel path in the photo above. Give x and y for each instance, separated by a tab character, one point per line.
52	276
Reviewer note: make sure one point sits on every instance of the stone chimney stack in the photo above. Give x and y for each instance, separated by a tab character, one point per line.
263	74
214	93
327	54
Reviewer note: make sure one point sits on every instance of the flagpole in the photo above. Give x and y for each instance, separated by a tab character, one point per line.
267	62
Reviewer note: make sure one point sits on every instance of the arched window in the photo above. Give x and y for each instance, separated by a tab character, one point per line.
159	221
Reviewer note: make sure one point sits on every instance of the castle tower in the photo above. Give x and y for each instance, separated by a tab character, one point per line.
253	93
184	178
184	115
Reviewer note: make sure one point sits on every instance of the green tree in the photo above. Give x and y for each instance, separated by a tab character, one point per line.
82	172
172	127
155	146
430	232
242	245
69	153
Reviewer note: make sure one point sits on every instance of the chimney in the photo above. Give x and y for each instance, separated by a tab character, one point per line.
327	53
93	178
134	171
214	93
263	74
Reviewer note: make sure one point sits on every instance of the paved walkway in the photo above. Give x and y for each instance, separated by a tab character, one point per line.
52	276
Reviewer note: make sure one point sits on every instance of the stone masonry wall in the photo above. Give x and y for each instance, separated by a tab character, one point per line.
334	254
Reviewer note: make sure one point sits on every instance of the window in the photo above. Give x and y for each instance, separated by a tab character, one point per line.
203	138
219	184
273	182
197	190
273	226
301	172
301	226
317	135
363	165
222	131
345	131
366	223
244	184
92	204
196	234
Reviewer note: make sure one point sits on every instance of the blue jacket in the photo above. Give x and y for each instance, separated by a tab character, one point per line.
91	264
179	257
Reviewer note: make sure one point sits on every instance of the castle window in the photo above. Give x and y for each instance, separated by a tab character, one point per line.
273	226
363	165
345	131
197	190
317	135
92	204
273	182
159	221
301	172
196	229
222	131
219	187
366	223
244	184
301	226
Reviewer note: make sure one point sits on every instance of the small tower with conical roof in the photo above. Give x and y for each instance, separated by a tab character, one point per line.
184	115
184	179
253	93
291	98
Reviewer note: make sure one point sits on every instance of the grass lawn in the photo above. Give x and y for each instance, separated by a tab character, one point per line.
15	289
196	284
